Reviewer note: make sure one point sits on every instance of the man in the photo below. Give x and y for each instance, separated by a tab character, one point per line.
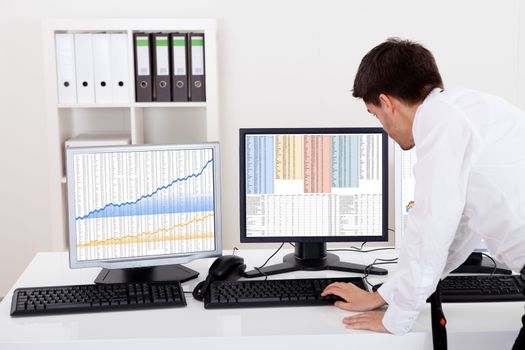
469	174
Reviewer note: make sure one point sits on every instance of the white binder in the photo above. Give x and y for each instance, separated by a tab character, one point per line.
65	51
119	67
84	67
102	68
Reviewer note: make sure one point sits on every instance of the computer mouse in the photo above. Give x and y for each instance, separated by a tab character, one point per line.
227	268
376	287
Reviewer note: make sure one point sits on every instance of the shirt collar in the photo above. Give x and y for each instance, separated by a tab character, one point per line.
435	92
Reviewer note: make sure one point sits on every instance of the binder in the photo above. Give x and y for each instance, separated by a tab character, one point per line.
143	86
102	68
197	73
84	67
161	67
65	59
119	67
179	69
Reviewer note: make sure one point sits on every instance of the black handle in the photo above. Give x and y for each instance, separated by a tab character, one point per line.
200	289
439	331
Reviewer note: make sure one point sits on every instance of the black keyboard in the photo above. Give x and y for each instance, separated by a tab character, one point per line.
95	297
287	292
482	288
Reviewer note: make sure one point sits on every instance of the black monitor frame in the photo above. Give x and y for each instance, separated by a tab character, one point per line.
312	131
310	252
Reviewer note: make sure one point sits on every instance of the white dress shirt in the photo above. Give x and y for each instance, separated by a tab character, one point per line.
470	184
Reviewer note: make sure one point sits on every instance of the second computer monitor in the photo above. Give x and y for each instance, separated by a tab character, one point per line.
139	211
313	186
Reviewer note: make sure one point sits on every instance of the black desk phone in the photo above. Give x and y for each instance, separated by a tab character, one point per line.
224	268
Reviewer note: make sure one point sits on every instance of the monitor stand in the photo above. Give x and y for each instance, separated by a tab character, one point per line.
476	263
312	257
163	273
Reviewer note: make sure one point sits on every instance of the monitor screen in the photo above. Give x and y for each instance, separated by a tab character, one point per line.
132	206
312	185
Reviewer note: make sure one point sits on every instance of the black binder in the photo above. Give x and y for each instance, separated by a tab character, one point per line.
179	68
161	67
197	71
143	83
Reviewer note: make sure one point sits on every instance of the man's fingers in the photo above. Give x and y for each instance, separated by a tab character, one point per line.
331	289
361	321
333	285
345	306
366	325
350	319
372	321
338	286
338	292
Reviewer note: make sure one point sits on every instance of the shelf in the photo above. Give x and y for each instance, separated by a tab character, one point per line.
137	104
100	105
170	104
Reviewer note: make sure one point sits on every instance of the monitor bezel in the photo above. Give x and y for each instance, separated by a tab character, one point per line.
243	132
144	261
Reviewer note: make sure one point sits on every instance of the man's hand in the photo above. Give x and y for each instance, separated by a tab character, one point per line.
356	298
371	320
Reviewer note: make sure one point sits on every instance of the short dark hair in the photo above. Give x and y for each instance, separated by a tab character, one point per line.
400	68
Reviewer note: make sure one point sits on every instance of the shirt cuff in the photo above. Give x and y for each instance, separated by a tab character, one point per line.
396	320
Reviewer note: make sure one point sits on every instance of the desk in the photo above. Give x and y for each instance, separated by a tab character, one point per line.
470	326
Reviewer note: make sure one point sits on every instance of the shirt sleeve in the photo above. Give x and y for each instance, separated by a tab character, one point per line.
465	241
445	144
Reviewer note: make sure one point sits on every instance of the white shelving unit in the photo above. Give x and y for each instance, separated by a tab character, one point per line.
150	122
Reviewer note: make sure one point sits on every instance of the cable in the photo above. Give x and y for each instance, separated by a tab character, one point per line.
359	249
234	250
271	256
266	262
493	261
261	272
381	262
187	292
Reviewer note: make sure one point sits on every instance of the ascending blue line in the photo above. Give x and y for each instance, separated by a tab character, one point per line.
146	195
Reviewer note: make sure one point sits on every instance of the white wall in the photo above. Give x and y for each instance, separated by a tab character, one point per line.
283	63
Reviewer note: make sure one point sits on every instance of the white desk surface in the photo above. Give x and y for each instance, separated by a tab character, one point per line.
470	326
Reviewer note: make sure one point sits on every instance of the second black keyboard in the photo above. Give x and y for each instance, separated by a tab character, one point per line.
269	293
95	297
482	288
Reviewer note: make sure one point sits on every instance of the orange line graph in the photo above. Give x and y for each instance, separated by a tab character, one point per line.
143	236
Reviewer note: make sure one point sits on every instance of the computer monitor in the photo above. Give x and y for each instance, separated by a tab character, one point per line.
140	211
313	186
404	192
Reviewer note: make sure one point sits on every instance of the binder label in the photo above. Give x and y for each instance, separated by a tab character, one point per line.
179	55
197	55
142	55
161	44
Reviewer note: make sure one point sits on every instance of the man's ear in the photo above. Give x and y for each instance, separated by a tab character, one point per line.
386	102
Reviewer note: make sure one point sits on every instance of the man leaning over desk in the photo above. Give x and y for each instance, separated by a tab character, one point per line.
470	181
